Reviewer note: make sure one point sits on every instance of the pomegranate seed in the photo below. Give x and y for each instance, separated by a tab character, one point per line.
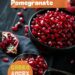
40	72
47	31
43	29
20	14
22	20
15	43
18	24
43	38
34	32
39	33
14	28
36	27
45	66
32	63
26	28
5	59
59	43
50	43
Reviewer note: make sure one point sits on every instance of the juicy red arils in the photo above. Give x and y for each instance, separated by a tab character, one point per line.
54	28
9	43
16	27
37	63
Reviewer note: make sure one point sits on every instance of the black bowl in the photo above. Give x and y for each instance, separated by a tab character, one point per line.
42	47
56	72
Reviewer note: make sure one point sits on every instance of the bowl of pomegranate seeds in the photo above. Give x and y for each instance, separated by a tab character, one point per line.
9	42
37	62
53	30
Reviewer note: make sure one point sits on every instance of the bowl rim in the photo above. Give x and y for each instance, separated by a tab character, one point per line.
50	9
57	70
24	54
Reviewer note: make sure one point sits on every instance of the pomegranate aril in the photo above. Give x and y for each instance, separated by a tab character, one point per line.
56	20
40	40
36	27
18	24
43	29
32	63
20	14
63	35
42	22
48	36
60	43
43	37
5	59
56	35
15	43
26	30
31	59
40	72
14	28
69	43
40	64
34	32
21	19
41	59
50	43
39	34
47	31
45	66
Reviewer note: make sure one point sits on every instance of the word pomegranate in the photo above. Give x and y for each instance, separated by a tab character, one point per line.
9	43
37	63
54	28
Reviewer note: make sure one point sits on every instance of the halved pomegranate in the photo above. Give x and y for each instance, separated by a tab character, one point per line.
9	43
71	6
